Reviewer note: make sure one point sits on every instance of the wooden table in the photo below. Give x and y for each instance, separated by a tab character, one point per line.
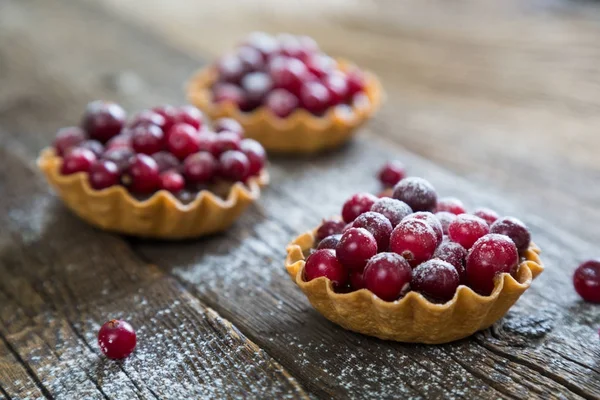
495	102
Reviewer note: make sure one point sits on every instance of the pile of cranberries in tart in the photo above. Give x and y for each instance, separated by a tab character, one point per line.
284	73
165	148
413	241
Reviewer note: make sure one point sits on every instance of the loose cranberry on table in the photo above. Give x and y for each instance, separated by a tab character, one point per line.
587	281
466	229
391	173
103	120
415	240
515	229
324	263
378	225
328	228
490	256
488	215
451	205
394	210
117	339
387	275
357	204
355	248
418	193
435	279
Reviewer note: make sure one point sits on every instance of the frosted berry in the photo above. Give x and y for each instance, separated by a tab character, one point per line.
488	215
356	205
515	229
148	117
226	141
77	160
356	82
281	102
388	276
266	44
328	228
256	85
66	138
122	140
190	115
587	281
391	173
229	93
172	181
94	146
436	280
379	226
466	229
256	155
394	210
337	86
200	167
147	139
228	125
289	74
182	140
431	220
165	161
451	205
103	120
117	339
315	97
169	113
445	219
418	193
453	253
234	165
414	240
120	156
250	58
103	174
230	68
142	176
320	65
490	256
324	263
330	242
356	247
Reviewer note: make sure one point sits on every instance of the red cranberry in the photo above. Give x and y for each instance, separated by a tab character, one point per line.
263	42
357	280
226	141
379	226
289	74
183	140
587	281
229	93
190	115
418	193
356	205
330	242
414	240
445	219
488	215
435	279
256	155
515	229
172	181
142	175
281	102
391	173
250	58
77	160
94	146
234	165
490	256
315	97
148	117
122	140
466	229
230	68
256	85
328	228
165	161
320	65
324	263
206	142
103	174
169	113
103	120
200	167
290	46
147	139
66	138
120	156
454	254
388	276
392	209
117	339
337	86
451	204
431	221
228	125
356	247
356	82
309	44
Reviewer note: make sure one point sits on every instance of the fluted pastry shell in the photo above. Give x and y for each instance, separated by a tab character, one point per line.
412	318
160	216
301	132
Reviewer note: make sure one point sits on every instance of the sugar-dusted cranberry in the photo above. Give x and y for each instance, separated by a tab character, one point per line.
320	65
229	93
142	176
451	204
356	82
337	86
147	139
230	68
379	226
454	254
200	167
256	85
190	115
324	263
234	165
148	117
330	242
328	228
228	125
488	215
250	58
291	46
182	140
357	204
121	140
490	256
289	74
308	43
94	146
356	247
515	229
587	281
103	174
165	161
206	142
314	97
414	240
169	113
103	120
357	280
66	138
466	229
392	209
256	155
431	221
281	102
172	181
418	193
77	160
120	156
391	173
117	339
226	141
388	276
435	279
263	42
445	219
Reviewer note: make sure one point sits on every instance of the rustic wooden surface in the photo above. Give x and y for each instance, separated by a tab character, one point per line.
494	102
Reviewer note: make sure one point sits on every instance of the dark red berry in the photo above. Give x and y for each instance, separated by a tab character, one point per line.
356	205
229	93
431	221
291	46
337	85
391	173
256	85
94	146
488	215
515	229
256	155
67	138
357	280
587	281
226	141
330	242
324	263
453	253
356	82
103	120
250	58
314	97
289	74
206	142
228	125
418	193
451	204
328	228
281	102
388	276
435	279
320	65
230	68
148	117
147	139
120	156
490	256
166	161
414	240
169	113
122	140
379	226
466	229
445	219
117	339
392	209
356	247
172	181
266	44
200	167
103	174
77	160
142	175
183	140
190	115
234	165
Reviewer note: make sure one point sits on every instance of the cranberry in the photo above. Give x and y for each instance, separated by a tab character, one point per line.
117	339
206	142
315	97
172	181
388	276
190	115
234	165
228	93
418	193
435	279
148	117
122	140
230	68
228	125
263	42
200	167
169	113
182	140
290	46
328	228
356	205
587	281
466	229
256	85
324	263
379	226
250	58
147	139
431	221
103	174
120	156
391	173
226	141
94	146
309	44
289	74
330	242
392	209
337	86
77	160
357	280
488	215
281	102
66	138
320	65
356	247
414	240
165	161
142	175
256	155
356	82
451	204
515	229
445	219
490	256
103	120
454	254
